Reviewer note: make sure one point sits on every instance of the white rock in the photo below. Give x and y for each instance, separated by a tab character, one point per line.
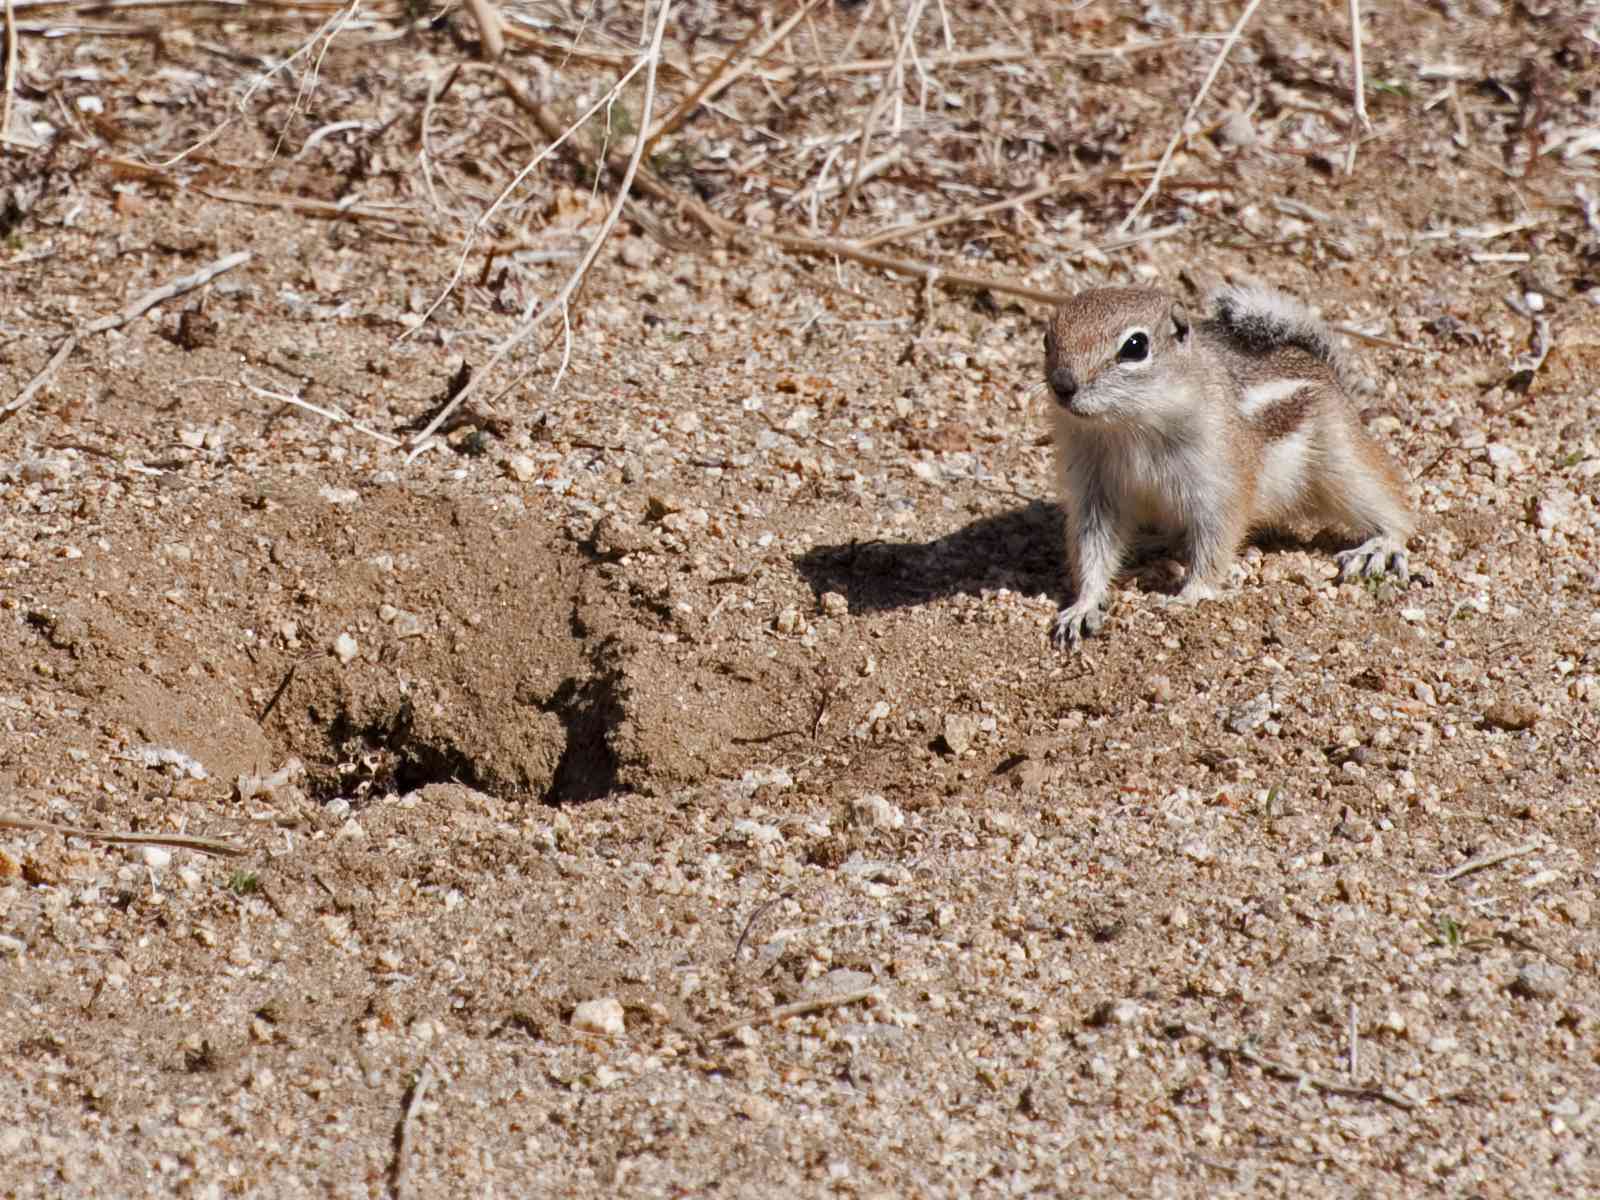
1555	510
602	1016
1198	851
1250	715
1503	457
155	857
958	730
636	253
346	648
746	832
1539	980
874	812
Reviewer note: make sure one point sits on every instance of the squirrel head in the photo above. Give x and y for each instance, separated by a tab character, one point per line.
1120	354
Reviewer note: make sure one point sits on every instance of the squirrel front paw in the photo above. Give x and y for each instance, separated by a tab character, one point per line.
1077	622
1374	557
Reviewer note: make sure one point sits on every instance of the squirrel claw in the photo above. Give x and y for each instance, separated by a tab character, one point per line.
1375	557
1074	624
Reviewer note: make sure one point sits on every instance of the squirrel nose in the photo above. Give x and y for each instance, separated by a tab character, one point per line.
1064	384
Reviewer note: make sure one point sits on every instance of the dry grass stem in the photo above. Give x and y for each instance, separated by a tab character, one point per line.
1358	90
736	234
734	65
11	72
324	34
1376	339
331	413
564	54
330	209
521	98
181	841
1194	107
889	94
1484	861
913	228
138	308
999	56
1353	1055
575	281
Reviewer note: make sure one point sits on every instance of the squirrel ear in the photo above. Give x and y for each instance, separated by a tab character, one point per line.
1180	321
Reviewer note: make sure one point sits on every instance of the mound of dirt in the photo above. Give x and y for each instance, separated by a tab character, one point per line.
400	638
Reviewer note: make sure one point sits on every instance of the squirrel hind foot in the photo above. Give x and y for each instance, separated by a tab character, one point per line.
1375	557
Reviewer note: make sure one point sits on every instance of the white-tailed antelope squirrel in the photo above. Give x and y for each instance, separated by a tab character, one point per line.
1204	430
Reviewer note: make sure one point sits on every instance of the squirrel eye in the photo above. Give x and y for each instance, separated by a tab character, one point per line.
1136	348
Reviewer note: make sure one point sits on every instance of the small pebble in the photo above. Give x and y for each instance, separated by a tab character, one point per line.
1511	717
346	648
155	857
958	731
1540	980
1236	130
874	812
1250	715
602	1016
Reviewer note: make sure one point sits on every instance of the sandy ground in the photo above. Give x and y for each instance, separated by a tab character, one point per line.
664	784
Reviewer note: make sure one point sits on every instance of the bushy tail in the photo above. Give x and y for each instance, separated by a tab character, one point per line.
1258	320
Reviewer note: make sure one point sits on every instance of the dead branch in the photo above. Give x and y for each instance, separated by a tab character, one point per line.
491	35
138	308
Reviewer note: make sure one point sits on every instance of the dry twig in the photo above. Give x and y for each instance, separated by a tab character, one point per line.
11	72
802	1008
332	413
1194	107
1358	107
734	65
735	233
912	228
1492	859
1295	1075
181	841
761	911
890	93
558	303
407	1132
491	35
138	308
972	58
521	98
